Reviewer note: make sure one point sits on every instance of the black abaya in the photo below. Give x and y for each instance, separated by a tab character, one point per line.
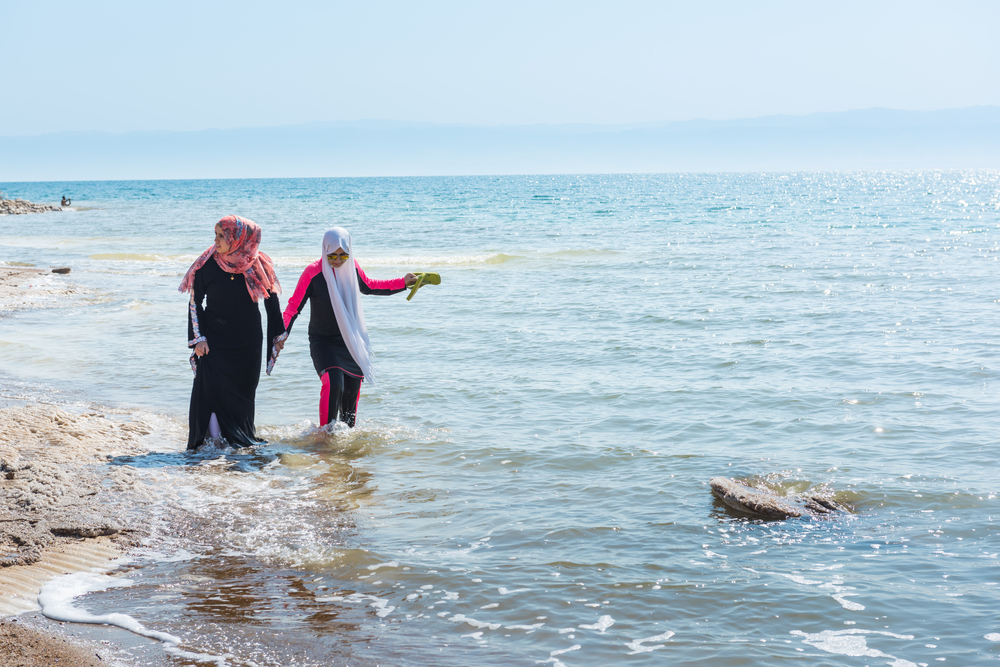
226	378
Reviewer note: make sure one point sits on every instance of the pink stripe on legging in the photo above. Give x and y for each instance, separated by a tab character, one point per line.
324	400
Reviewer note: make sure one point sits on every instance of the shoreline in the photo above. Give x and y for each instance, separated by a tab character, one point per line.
63	509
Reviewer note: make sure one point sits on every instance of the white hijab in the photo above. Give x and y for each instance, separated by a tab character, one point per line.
345	296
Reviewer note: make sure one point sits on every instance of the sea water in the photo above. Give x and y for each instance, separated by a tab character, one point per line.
528	481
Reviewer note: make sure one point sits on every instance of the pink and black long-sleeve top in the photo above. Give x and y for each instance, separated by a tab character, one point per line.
326	344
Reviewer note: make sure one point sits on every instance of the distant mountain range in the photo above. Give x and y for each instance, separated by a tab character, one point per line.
870	139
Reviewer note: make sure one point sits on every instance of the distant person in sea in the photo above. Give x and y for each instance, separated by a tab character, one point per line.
66	201
338	338
226	333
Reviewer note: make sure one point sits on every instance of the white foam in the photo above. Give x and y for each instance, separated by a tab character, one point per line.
462	618
554	660
177	556
993	637
505	591
603	623
637	644
56	599
851	642
220	661
839	593
533	626
798	579
383	606
391	563
847	604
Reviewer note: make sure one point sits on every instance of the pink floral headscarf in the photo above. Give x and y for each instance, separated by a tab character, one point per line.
243	257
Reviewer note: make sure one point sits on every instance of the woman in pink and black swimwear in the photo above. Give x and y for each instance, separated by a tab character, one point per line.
234	277
338	338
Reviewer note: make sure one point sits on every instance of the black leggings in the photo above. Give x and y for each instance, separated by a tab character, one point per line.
339	397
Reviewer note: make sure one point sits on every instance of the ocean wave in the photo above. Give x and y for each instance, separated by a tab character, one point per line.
141	257
404	260
286	262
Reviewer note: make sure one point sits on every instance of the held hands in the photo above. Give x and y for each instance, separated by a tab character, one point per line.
410	279
201	349
279	345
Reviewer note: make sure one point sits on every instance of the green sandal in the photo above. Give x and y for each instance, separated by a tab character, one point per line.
423	279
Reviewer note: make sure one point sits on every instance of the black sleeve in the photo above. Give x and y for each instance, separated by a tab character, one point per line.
195	311
275	325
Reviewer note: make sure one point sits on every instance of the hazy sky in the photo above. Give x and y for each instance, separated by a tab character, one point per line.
181	65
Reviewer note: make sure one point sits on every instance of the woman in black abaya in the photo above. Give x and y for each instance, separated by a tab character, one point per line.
226	333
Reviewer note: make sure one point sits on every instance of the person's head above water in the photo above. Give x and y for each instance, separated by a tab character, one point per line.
234	234
337	247
236	251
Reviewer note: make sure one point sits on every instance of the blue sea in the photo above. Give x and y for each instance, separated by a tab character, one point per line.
528	481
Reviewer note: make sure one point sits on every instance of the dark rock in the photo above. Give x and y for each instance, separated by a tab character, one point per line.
61	269
765	503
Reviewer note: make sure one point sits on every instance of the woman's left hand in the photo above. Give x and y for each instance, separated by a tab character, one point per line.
279	345
410	279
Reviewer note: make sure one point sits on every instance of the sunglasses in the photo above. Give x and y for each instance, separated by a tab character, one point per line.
334	256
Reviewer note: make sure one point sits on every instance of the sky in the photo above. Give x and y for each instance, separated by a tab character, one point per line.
182	65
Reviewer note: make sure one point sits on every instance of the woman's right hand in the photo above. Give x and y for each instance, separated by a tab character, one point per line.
201	349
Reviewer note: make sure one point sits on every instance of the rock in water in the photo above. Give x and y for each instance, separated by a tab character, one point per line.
22	206
61	269
761	502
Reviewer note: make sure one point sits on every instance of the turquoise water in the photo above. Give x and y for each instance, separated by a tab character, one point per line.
528	480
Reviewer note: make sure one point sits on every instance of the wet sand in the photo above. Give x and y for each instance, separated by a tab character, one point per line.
24	644
63	509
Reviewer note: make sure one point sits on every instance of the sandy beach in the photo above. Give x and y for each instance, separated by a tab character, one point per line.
63	509
27	644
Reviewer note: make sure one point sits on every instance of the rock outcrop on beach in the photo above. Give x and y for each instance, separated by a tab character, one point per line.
765	503
22	206
55	484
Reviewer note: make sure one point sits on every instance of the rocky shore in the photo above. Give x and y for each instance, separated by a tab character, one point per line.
22	206
63	507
